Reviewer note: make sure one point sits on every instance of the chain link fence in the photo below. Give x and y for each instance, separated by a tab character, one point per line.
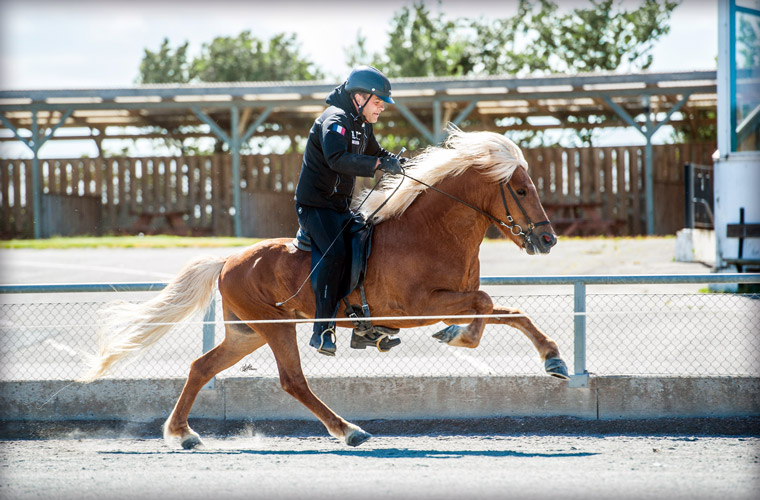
707	334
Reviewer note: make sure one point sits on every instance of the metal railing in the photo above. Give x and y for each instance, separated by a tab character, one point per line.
696	315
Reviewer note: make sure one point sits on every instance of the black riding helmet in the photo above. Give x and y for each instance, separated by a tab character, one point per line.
369	80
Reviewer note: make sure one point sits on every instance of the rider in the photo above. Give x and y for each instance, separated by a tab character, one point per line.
341	146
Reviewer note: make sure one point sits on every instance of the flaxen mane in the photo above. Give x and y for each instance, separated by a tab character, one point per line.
494	154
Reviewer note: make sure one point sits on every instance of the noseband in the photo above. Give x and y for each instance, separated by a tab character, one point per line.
512	224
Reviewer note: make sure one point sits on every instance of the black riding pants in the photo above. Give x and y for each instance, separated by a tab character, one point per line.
329	232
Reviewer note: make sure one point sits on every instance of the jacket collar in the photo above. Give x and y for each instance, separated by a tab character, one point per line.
342	99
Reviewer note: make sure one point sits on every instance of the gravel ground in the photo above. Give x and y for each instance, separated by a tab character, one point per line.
250	465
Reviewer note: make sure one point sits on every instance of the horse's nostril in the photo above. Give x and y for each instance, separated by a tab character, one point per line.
549	240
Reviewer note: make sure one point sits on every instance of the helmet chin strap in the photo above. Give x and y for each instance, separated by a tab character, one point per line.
361	107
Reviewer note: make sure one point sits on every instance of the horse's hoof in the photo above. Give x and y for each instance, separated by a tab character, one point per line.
192	442
556	368
448	334
357	437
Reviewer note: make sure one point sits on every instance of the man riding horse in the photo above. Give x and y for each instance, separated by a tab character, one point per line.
340	147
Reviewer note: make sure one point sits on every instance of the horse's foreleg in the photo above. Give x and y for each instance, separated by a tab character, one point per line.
239	341
547	348
282	340
461	303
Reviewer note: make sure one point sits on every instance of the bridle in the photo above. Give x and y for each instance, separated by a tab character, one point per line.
531	225
510	225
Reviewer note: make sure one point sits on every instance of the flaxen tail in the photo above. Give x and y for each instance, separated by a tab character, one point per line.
131	328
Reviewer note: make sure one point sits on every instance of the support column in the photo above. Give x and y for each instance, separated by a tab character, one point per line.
647	131
234	140
648	171
438	133
235	152
34	143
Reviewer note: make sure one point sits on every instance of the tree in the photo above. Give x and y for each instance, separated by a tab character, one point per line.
226	59
230	59
539	39
420	44
601	37
165	65
245	58
357	53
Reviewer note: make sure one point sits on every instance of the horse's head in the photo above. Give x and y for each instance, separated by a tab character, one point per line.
519	207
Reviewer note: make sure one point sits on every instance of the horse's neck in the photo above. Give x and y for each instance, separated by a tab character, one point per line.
435	218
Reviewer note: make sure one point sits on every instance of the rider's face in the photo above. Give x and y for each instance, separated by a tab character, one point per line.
372	109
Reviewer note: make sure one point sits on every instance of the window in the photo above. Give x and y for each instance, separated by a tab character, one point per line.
745	76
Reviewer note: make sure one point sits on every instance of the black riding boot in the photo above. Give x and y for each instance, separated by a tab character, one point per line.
324	341
378	336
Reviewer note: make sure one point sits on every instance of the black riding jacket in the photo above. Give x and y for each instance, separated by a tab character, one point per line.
341	146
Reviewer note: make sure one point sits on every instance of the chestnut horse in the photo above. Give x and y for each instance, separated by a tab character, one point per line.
424	262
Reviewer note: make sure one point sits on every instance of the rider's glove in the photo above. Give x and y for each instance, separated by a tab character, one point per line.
390	164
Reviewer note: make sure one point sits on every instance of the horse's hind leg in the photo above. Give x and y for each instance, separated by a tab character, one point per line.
239	341
282	340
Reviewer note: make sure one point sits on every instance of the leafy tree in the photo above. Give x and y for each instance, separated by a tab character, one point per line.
165	65
245	58
357	53
230	59
226	59
420	44
539	39
587	39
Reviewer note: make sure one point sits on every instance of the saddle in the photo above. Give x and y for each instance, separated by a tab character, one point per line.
365	333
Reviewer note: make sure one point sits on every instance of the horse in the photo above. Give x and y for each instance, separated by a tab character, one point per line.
429	224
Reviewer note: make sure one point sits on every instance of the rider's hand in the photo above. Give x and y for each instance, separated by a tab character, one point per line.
390	164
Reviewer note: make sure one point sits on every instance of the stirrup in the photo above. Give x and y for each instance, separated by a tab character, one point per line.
367	338
324	342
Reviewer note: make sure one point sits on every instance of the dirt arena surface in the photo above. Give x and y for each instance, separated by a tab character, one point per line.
428	466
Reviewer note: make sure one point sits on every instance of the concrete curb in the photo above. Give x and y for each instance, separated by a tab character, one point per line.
389	398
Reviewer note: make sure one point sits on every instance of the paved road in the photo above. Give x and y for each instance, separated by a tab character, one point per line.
253	466
498	258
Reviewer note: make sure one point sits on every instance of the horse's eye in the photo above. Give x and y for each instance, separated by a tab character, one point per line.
522	192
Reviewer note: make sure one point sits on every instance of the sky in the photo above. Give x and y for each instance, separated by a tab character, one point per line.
46	44
91	44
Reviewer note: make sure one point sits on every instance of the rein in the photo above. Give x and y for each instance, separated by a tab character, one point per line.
513	227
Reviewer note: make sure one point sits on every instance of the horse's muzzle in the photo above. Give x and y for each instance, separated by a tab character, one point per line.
540	243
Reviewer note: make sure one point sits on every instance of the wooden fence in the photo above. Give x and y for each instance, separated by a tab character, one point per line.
197	190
